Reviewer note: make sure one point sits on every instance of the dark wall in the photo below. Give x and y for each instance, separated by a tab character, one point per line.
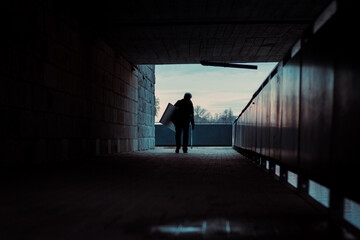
203	135
306	114
65	94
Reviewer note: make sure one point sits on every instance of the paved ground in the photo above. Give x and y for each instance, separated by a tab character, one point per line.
209	193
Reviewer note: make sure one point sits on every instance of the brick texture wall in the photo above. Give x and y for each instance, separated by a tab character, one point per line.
146	107
65	94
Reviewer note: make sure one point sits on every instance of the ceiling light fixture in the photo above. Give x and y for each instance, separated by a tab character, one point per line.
233	65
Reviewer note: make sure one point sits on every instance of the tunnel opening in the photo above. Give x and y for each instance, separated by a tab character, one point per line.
218	96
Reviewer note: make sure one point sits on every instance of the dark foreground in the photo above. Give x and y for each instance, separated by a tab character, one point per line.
209	193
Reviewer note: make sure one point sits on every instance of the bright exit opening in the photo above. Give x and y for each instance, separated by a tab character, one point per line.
218	92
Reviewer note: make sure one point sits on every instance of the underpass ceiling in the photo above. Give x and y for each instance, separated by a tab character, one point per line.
190	31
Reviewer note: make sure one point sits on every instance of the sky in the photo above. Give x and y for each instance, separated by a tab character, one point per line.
212	88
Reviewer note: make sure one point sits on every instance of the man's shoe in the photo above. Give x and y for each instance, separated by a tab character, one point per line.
177	150
185	150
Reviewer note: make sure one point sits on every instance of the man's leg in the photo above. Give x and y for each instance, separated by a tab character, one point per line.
186	138
178	137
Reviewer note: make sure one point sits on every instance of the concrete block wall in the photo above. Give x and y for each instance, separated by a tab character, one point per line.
146	107
65	94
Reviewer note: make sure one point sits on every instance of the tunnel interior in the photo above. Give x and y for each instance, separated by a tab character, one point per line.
78	83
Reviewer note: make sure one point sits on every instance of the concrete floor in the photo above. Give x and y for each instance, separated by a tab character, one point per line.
209	193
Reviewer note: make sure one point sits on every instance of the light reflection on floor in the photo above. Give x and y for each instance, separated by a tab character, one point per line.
352	212
292	178
319	192
277	170
208	227
176	230
220	228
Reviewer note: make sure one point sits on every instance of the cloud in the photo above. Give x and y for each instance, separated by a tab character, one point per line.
213	88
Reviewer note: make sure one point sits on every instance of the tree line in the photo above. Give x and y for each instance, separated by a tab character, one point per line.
201	115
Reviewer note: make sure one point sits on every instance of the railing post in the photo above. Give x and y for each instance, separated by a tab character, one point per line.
303	185
271	167
336	206
283	174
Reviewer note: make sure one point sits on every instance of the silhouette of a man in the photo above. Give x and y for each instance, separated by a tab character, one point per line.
183	116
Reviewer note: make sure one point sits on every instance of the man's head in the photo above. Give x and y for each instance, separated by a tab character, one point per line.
187	96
